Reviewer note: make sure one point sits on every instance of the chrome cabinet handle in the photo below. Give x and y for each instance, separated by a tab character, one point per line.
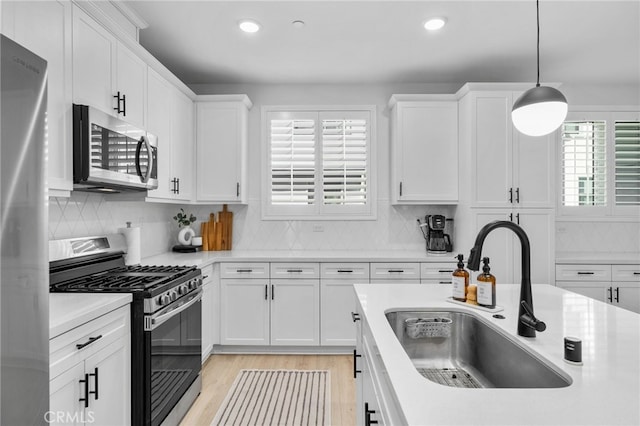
244	270
395	271
617	294
355	316
585	273
610	296
442	271
294	270
345	271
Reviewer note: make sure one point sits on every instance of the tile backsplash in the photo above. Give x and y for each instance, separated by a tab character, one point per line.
86	214
598	237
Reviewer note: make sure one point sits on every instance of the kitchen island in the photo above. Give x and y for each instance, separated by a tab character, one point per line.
605	390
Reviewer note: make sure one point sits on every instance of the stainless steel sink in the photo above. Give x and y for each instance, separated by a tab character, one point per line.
459	349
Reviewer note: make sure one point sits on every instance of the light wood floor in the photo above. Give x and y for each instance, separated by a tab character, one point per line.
219	372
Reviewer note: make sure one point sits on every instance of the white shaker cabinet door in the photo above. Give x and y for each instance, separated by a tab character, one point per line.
338	299
94	52
244	316
159	93
295	305
131	79
110	384
65	392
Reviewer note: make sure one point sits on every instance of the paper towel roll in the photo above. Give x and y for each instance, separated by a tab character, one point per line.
132	237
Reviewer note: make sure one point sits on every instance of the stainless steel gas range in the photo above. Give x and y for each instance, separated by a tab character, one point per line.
165	319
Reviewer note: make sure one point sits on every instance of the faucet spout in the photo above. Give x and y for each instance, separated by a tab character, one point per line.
527	322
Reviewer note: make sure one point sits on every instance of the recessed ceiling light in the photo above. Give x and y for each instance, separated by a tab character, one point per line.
298	24
434	24
249	26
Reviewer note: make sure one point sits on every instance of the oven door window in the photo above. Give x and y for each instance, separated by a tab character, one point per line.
175	359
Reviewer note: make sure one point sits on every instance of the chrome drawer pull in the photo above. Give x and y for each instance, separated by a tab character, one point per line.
442	271
244	270
345	271
294	270
586	273
398	271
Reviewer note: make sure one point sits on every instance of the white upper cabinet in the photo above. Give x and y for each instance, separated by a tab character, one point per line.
107	75
424	149
505	168
45	29
221	146
170	118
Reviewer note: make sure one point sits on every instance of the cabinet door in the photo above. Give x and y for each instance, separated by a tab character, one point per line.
498	247
539	224
207	318
627	296
295	312
65	391
110	383
221	146
244	312
594	290
45	29
182	144
131	81
425	152
534	170
94	50
337	300
159	93
492	150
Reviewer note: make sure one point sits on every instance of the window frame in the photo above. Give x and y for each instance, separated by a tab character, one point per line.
318	210
610	211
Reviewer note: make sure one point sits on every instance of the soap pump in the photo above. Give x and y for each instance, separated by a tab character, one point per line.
460	280
486	286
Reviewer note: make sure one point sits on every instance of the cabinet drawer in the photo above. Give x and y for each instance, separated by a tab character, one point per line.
437	271
395	271
625	273
356	272
244	270
583	272
295	270
207	273
443	281
83	341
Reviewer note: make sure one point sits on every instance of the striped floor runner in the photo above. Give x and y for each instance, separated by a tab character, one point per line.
277	397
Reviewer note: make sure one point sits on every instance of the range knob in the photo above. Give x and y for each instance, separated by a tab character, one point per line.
183	289
163	299
173	295
200	282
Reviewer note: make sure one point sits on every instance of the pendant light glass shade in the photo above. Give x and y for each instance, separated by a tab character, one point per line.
539	111
542	109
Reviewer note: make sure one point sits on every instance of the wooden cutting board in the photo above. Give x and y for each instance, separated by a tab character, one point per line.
226	219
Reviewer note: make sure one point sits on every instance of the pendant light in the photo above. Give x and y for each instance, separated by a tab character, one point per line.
542	109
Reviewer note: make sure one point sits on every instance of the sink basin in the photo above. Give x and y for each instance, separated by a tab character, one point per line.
459	349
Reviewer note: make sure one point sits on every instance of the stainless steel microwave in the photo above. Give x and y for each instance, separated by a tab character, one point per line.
111	155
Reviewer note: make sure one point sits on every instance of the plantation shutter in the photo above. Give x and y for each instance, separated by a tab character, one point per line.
627	163
292	161
345	159
584	174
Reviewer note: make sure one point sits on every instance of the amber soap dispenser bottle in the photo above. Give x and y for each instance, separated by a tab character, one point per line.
460	281
486	286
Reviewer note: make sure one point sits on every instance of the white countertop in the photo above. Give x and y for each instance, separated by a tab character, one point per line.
203	258
605	390
69	310
591	258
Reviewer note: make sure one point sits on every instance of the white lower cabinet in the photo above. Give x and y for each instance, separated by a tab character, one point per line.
337	301
208	319
282	311
618	285
90	372
295	316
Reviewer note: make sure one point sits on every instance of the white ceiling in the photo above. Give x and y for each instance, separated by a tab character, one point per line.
345	42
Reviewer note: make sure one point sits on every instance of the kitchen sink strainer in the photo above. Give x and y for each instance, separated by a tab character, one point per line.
417	328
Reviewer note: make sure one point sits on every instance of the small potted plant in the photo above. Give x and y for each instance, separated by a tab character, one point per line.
184	222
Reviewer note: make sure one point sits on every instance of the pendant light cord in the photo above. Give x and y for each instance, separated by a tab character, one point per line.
538	41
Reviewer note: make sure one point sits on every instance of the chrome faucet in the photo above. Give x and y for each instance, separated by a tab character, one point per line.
528	324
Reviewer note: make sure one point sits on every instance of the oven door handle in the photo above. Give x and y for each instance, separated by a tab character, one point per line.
154	321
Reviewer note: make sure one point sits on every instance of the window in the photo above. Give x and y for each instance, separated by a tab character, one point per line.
318	163
600	164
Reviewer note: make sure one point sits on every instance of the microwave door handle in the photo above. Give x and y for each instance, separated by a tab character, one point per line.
161	319
147	145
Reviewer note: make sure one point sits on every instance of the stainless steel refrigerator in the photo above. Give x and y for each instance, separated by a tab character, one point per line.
24	278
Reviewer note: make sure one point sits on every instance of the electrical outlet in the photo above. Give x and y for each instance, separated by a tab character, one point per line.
318	228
